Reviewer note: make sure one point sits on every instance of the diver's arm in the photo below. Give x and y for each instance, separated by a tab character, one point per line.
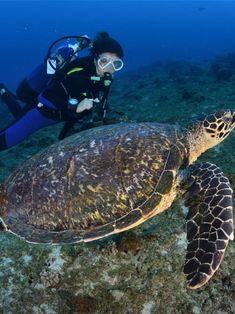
55	99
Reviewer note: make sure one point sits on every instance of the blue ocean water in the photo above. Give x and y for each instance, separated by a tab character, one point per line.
139	271
148	30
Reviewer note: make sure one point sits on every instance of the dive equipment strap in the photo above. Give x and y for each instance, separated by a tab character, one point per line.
50	113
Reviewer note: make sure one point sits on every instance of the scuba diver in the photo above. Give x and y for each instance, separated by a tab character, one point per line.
65	87
30	88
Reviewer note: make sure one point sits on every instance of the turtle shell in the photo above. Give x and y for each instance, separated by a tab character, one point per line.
95	183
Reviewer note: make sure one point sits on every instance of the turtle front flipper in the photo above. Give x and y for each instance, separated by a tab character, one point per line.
209	222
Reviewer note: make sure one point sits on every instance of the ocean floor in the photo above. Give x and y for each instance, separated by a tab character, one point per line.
139	271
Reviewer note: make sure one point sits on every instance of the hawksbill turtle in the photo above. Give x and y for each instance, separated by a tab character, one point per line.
112	178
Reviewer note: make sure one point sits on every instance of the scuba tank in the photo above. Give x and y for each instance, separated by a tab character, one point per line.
59	53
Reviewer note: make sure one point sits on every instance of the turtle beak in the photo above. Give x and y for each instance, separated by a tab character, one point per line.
233	121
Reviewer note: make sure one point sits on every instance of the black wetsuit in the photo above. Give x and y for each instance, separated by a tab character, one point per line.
75	82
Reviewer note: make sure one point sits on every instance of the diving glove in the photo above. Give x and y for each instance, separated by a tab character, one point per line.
85	104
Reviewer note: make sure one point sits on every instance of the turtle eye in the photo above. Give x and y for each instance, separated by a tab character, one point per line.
227	120
228	117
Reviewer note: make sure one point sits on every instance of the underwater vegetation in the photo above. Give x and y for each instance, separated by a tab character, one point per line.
138	271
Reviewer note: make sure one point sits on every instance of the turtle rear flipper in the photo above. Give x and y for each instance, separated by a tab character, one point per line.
209	223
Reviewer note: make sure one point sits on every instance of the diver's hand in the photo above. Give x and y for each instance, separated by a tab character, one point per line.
85	104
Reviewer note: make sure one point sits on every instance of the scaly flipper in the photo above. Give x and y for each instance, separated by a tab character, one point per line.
209	223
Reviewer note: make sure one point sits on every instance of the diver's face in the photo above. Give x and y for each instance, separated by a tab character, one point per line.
108	62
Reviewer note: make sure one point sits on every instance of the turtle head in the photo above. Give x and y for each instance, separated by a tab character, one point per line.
209	131
218	126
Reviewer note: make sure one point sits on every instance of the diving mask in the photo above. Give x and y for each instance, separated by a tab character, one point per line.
105	62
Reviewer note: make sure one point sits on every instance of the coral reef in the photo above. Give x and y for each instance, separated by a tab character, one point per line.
139	271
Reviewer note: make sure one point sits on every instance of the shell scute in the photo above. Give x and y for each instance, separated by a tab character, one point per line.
94	181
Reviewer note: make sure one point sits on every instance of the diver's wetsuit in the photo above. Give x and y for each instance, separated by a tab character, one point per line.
33	84
75	84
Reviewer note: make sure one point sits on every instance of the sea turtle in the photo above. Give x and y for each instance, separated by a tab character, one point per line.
112	178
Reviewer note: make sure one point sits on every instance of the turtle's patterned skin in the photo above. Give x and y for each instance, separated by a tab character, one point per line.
110	179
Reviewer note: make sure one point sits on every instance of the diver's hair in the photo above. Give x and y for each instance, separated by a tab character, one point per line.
104	43
101	35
